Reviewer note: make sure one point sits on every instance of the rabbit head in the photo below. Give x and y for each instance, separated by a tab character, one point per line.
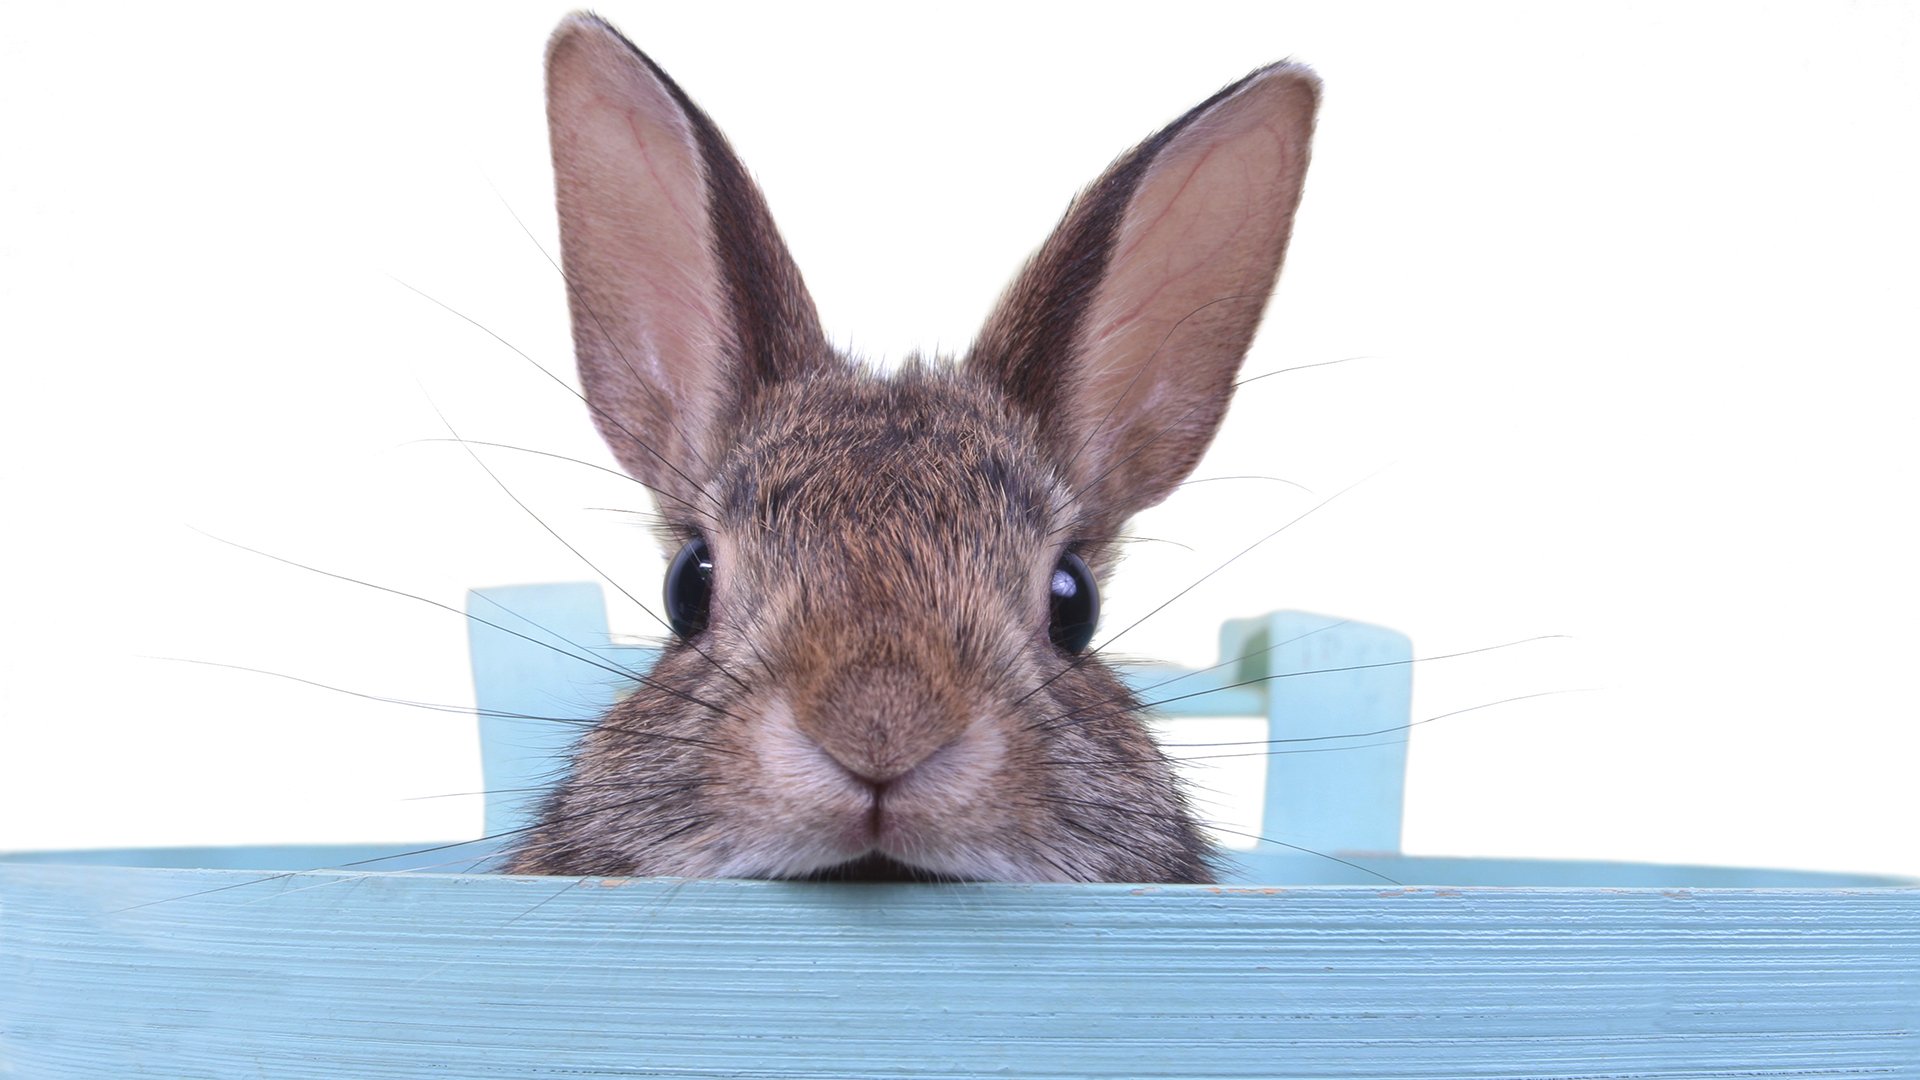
885	583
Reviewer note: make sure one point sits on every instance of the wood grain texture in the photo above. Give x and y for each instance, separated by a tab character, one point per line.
389	975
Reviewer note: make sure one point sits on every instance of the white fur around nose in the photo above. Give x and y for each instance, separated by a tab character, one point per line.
809	813
805	770
945	815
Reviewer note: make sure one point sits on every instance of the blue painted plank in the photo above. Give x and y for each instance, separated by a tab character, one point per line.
542	669
329	975
1337	686
1191	692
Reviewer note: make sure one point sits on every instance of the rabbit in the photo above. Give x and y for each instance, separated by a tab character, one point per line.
883	587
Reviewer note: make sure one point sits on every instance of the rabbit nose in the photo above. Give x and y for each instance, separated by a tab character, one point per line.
875	771
880	725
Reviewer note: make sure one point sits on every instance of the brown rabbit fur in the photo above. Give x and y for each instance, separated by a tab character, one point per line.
875	692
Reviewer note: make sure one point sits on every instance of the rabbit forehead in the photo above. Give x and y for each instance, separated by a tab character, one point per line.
872	470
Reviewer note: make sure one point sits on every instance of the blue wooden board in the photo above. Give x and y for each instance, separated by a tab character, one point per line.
193	962
331	975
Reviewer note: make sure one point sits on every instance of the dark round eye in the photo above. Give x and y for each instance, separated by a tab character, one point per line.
1075	604
690	588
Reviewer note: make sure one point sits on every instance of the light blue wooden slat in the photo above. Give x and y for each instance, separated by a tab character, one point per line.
534	686
1329	683
331	975
1190	692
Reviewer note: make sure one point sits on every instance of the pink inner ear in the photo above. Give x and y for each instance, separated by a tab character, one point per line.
632	197
1192	266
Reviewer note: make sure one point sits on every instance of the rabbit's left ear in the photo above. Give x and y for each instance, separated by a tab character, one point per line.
1124	334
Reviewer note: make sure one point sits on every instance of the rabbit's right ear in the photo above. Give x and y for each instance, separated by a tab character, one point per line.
684	299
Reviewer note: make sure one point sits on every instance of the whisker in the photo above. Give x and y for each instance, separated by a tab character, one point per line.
628	477
282	876
1237	556
577	296
1037	848
1154	540
1129	695
620	671
355	879
1160	863
1245	656
1130	760
1352	667
1275	479
1125	704
583	649
595	567
1103	646
1142	369
296	873
608	667
463	710
1182	418
610	418
1151	815
1408	726
619	784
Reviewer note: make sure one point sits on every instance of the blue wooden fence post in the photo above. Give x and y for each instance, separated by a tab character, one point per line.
1330	785
527	691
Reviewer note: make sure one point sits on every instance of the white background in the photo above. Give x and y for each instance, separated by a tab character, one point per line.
1635	286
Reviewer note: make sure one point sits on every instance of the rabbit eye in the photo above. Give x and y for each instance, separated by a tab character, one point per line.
1074	604
689	590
